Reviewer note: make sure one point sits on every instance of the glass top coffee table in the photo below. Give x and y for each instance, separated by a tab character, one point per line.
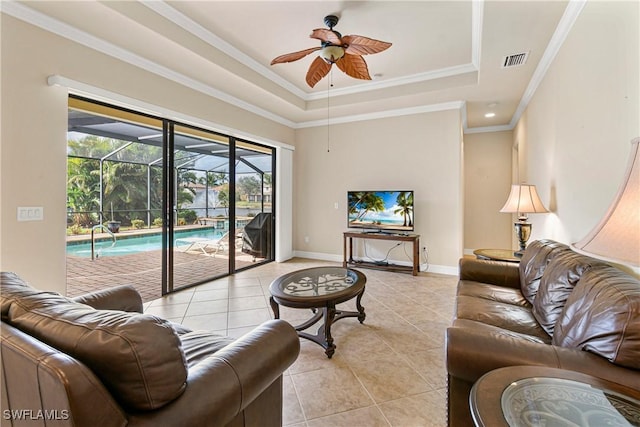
539	396
319	289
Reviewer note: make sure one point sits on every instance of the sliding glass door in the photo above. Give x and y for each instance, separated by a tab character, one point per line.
201	242
114	199
253	203
159	204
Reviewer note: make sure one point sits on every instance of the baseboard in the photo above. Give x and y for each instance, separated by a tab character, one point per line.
318	255
431	268
440	269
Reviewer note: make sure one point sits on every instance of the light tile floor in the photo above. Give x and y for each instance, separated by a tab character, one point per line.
388	371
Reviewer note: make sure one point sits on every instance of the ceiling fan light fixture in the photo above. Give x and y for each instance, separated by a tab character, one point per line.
346	52
332	53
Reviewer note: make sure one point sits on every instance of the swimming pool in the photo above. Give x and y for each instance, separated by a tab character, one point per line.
134	245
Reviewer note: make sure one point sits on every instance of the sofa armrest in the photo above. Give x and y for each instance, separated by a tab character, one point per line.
574	359
124	298
500	273
492	348
221	386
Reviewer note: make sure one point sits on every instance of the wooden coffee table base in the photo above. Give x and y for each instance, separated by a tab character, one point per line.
329	315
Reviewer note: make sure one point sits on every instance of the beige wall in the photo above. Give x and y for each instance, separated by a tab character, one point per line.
574	137
572	142
33	136
420	152
487	180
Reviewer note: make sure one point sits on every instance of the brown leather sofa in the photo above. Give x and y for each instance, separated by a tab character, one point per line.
556	308
97	361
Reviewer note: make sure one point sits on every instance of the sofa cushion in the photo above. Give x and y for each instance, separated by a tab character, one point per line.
492	292
558	281
138	357
602	315
533	263
506	316
198	345
486	329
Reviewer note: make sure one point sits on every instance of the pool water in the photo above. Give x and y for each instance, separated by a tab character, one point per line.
134	245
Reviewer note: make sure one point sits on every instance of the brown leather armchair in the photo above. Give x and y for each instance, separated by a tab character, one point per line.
96	360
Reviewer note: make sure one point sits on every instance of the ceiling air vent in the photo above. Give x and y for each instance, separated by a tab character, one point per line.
515	60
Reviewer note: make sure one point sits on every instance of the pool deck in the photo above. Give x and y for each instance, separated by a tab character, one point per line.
144	271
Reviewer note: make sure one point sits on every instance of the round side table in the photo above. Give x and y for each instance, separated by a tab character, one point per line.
536	396
496	255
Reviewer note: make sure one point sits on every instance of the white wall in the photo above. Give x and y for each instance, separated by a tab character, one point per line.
574	137
421	152
284	204
33	137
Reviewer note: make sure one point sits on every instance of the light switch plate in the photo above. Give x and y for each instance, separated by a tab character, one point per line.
33	213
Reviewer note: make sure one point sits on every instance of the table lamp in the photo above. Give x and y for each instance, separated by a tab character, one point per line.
617	236
523	199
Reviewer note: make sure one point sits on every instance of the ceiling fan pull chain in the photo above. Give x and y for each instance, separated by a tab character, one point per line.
329	86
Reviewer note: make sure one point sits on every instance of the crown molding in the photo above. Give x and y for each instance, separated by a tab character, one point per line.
99	94
463	116
573	10
569	17
189	25
477	18
399	81
61	29
453	105
487	129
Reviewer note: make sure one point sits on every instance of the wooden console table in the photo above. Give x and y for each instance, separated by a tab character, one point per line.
348	251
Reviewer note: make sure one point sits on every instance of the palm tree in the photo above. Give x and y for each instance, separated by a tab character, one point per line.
363	202
214	179
83	189
186	191
223	197
405	203
125	187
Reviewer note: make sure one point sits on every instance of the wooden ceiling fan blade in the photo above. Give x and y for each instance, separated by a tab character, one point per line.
360	45
325	35
294	56
318	69
354	66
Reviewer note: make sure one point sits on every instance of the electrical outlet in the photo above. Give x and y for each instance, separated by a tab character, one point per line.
35	213
335	205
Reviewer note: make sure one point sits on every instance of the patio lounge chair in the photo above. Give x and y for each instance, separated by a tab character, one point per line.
202	244
209	246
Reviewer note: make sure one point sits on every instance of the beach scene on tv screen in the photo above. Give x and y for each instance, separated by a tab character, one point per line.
391	210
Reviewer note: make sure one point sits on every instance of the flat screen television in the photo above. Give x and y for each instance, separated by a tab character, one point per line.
381	211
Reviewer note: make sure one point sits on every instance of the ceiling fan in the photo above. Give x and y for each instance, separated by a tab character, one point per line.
344	51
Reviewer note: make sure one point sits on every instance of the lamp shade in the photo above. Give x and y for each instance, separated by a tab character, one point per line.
617	235
523	198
